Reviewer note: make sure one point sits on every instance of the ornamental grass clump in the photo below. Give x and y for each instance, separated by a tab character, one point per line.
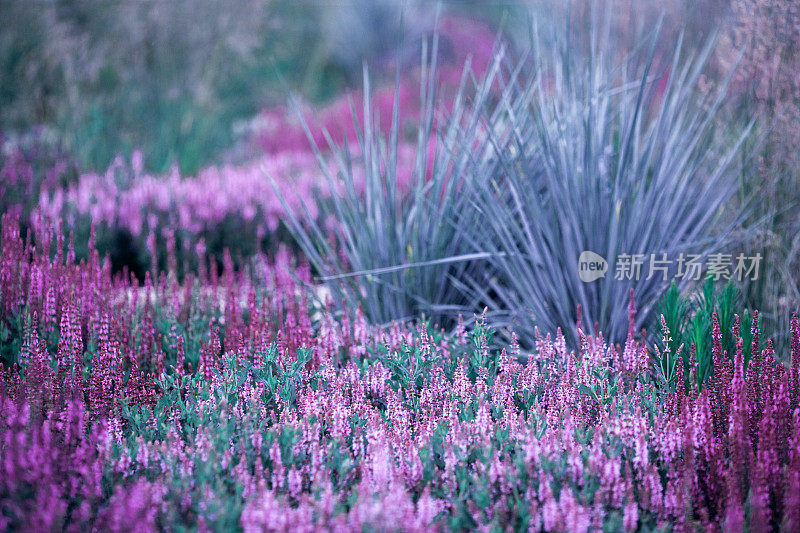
615	159
393	245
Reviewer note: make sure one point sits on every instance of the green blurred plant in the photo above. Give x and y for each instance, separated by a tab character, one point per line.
689	320
171	78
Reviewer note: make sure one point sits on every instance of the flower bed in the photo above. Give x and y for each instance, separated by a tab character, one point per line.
225	402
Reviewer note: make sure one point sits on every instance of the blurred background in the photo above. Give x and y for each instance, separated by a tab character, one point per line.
154	119
183	81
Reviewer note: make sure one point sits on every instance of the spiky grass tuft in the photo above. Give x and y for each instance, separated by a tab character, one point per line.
602	157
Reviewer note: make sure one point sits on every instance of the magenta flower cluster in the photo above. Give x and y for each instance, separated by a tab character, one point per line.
157	207
232	401
126	196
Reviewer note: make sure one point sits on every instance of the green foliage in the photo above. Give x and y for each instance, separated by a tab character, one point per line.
675	311
11	336
689	319
173	79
